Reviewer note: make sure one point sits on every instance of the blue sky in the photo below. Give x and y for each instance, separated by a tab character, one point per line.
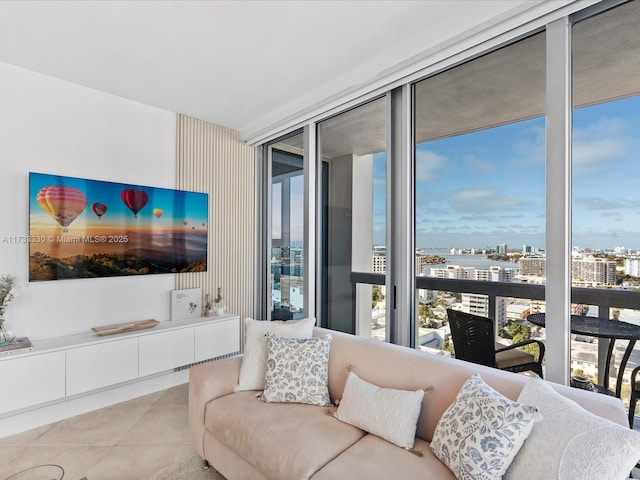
488	187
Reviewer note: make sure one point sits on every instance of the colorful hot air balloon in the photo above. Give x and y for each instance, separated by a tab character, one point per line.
99	209
62	203
157	212
135	200
185	223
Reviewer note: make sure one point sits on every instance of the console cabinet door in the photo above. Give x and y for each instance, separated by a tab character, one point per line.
31	380
217	339
164	351
101	365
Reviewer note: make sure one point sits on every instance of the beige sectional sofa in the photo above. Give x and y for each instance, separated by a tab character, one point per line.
245	438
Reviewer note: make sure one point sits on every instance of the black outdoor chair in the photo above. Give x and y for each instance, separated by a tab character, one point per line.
635	394
474	341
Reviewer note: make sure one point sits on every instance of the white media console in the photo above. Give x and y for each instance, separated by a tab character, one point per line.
66	376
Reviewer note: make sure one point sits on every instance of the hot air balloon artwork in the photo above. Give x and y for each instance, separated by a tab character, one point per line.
99	209
62	203
135	200
101	237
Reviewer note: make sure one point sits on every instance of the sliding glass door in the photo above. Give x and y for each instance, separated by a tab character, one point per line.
353	162
286	263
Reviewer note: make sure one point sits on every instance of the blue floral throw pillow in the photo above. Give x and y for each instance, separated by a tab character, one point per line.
481	432
297	370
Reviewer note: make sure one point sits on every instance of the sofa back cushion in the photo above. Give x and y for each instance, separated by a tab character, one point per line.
254	360
394	366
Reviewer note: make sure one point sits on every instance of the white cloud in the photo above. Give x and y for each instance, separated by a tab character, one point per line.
427	165
530	148
474	163
482	199
604	127
600	145
597	203
593	156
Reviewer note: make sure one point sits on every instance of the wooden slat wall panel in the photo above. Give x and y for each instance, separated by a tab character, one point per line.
211	159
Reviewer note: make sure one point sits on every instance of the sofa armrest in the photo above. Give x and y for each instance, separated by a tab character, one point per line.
207	382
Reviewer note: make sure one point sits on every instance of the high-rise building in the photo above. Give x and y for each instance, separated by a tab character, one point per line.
379	262
533	266
421	263
632	267
501	249
594	270
476	303
453	271
526	250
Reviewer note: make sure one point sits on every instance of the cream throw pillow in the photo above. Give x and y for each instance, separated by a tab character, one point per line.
297	370
571	443
480	433
254	361
388	413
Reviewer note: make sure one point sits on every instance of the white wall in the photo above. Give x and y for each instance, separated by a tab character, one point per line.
51	126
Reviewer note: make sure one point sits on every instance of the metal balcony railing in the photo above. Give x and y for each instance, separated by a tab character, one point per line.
602	298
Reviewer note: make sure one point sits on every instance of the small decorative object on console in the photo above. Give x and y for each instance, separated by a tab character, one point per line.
186	303
17	345
219	306
125	327
207	307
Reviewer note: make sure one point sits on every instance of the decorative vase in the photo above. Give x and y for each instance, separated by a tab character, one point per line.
207	307
219	306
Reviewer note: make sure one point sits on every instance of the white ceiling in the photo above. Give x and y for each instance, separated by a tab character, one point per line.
246	65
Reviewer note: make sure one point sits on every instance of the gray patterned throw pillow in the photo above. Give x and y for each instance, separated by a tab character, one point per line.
297	370
480	433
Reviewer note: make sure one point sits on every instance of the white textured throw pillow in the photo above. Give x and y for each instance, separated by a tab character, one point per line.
388	413
571	443
480	433
254	361
297	370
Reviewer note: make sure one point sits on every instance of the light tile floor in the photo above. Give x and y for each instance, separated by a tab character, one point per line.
127	441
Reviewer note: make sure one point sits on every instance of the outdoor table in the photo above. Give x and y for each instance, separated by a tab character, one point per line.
606	328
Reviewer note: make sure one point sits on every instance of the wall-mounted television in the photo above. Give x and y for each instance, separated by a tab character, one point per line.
81	228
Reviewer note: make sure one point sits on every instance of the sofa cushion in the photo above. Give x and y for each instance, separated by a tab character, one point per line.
389	413
282	440
571	443
254	361
297	370
481	432
390	462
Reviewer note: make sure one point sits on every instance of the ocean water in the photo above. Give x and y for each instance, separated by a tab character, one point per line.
480	261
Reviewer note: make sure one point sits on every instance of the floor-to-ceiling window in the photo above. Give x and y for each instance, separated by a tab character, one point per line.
286	263
605	175
480	189
352	162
